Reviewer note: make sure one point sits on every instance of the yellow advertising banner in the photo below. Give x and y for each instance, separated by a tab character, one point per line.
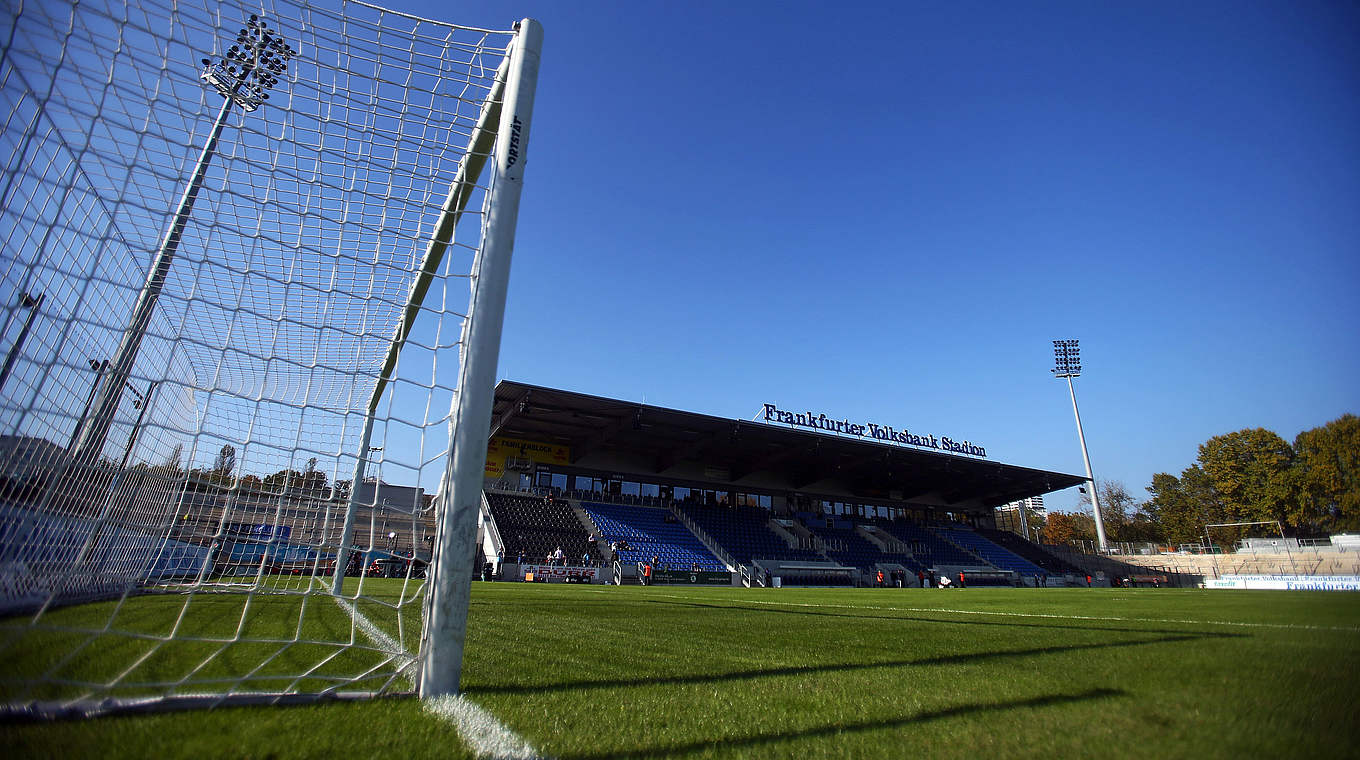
521	454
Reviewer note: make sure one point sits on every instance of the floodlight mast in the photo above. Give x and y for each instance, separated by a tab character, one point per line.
1067	364
261	58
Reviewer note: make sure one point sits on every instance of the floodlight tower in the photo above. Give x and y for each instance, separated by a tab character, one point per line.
243	76
1067	364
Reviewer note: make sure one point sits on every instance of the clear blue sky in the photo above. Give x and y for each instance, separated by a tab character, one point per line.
886	212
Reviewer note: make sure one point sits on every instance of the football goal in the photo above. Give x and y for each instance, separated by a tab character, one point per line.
255	261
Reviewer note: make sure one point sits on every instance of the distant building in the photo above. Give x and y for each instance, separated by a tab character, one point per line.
1008	515
24	457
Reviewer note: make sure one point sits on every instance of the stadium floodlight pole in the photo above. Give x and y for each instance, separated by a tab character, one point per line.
33	304
1067	364
243	76
460	492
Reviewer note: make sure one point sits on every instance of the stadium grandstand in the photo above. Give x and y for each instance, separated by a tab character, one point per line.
616	485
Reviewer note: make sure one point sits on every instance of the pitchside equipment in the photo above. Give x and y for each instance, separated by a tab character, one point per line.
245	397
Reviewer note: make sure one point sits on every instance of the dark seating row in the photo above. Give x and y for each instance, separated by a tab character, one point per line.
535	526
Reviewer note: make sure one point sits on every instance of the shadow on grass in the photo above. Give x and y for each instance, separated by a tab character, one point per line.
841	729
798	670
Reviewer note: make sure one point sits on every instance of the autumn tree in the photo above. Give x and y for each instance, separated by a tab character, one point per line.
1124	518
1326	477
1064	527
1250	472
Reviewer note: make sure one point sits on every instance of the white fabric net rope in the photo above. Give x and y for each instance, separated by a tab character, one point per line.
170	526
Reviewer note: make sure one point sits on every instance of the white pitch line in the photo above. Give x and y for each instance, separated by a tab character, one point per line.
379	636
1110	619
484	735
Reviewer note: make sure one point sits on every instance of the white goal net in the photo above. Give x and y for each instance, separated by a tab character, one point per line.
252	259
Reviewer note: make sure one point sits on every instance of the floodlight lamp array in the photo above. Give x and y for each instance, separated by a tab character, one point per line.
1066	358
247	71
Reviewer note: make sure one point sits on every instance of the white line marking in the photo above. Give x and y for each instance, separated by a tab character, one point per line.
485	735
379	636
945	610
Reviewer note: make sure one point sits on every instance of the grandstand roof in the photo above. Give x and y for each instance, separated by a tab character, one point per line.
591	425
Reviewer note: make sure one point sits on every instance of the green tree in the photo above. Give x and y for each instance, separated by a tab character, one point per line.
283	480
1250	472
1181	507
1326	477
225	462
310	483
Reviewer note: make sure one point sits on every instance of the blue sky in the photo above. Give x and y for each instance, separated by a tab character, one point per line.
886	212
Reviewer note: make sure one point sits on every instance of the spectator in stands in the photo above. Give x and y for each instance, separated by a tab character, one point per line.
520	561
590	539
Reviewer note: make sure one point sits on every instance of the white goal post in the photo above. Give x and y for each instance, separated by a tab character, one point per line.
245	392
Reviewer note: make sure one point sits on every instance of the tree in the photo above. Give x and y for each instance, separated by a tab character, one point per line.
1117	509
283	480
1181	507
171	467
1064	527
225	461
1250	472
309	483
1326	477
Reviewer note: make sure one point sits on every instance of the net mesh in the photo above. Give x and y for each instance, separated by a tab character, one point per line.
171	527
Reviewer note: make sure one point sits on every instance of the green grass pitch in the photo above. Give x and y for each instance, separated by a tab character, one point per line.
670	672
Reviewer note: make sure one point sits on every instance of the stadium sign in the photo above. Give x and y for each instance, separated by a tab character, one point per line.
1288	582
697	577
886	433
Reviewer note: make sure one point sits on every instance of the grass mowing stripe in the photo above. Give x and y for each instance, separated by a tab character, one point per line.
1097	618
